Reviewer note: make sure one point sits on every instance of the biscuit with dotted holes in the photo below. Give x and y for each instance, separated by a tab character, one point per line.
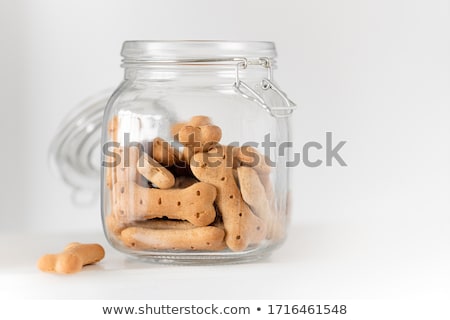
242	227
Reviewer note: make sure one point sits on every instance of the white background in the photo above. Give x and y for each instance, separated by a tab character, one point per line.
375	73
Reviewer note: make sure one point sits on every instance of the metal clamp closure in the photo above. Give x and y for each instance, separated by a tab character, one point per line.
249	93
267	84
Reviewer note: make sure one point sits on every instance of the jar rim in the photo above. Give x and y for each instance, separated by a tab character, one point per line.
178	50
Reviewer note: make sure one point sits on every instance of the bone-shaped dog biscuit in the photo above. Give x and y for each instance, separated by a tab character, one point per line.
163	152
249	156
154	172
116	226
194	204
124	165
241	225
201	238
253	192
195	121
72	259
255	195
198	139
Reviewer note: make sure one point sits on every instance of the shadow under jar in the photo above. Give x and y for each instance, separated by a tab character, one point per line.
194	168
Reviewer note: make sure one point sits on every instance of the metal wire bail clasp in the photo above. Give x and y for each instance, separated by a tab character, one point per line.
278	111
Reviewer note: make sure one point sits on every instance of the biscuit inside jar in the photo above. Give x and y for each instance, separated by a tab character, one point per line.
169	199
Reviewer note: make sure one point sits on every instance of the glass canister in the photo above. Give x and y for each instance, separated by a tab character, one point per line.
194	160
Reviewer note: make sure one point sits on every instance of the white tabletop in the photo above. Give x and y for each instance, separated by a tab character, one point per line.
318	261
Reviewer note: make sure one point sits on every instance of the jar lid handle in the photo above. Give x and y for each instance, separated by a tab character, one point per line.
278	111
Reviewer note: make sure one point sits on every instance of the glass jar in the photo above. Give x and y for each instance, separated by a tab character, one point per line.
194	153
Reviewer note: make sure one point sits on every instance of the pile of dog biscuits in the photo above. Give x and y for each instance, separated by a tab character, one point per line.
204	197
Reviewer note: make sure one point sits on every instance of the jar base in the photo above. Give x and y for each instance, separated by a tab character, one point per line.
204	258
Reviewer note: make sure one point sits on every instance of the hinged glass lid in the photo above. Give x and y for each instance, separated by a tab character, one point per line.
75	150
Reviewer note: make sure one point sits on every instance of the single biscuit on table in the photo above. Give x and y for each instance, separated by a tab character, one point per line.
154	172
201	238
242	227
72	259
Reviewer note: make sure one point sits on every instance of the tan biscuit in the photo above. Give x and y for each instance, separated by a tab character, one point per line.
194	204
72	259
163	152
251	157
113	128
116	226
200	138
124	164
267	183
236	178
125	173
187	154
154	172
260	198
229	151
116	170
195	122
253	192
202	238
176	127
165	224
241	225
199	120
113	125
109	172
168	156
